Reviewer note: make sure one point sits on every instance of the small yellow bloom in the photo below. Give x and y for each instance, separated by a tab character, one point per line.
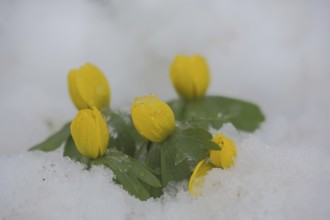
190	76
226	156
90	133
197	178
88	87
152	118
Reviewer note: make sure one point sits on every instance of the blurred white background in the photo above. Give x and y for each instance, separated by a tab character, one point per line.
275	53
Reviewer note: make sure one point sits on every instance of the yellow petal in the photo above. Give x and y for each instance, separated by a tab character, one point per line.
152	118
88	87
225	157
190	76
90	133
197	178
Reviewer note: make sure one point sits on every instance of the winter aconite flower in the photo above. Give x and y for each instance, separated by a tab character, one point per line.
196	181
152	118
190	76
90	133
225	157
88	87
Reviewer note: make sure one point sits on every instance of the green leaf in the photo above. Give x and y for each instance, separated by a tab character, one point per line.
217	110
131	184
121	134
154	192
141	150
153	162
179	153
54	141
129	173
170	169
153	158
70	150
192	143
143	173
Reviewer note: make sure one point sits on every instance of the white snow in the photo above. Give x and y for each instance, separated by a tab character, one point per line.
274	53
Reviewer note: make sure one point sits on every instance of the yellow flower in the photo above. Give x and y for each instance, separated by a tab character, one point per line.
88	87
190	76
226	156
197	178
90	133
152	118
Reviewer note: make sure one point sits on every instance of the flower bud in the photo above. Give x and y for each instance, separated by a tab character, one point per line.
225	157
190	76
90	133
152	118
88	87
196	180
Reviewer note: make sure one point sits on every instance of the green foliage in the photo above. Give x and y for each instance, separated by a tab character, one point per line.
136	178
182	150
173	159
54	141
131	174
70	150
153	162
121	133
217	110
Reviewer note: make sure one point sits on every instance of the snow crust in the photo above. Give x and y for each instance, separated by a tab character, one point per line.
274	53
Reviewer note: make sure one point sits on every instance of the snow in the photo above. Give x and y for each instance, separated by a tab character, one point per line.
274	53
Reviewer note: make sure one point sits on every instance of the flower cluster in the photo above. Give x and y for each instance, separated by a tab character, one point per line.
152	118
173	136
89	91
